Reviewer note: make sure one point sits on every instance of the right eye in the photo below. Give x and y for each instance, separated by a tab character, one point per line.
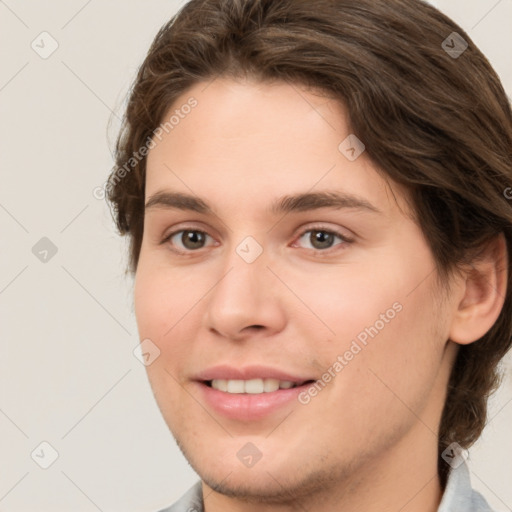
190	240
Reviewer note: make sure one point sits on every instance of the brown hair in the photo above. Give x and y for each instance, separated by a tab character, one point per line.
438	123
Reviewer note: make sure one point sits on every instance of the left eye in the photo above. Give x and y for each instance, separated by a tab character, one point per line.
321	239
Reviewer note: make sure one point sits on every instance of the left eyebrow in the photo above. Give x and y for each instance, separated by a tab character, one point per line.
316	200
299	202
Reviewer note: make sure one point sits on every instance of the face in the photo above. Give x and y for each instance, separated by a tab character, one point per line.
292	263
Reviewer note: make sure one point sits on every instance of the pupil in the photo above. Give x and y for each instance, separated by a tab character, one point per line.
192	239
322	238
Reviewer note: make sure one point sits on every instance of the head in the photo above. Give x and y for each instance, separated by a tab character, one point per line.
396	300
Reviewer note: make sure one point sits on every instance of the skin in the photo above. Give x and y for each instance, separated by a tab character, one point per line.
368	440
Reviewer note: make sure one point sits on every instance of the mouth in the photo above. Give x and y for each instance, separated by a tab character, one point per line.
253	399
253	386
250	393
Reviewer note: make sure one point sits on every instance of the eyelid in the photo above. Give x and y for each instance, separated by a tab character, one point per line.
320	227
316	227
196	226
174	232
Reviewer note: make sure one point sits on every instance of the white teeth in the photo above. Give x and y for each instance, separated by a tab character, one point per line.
235	386
270	385
221	384
251	386
254	386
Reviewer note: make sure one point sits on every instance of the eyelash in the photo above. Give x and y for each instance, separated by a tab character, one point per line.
346	240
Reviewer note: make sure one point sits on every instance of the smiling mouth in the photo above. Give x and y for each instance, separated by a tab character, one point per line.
253	386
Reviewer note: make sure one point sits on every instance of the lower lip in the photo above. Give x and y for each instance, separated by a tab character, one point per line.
247	406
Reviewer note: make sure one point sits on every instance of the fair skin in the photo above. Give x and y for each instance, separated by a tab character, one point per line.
366	441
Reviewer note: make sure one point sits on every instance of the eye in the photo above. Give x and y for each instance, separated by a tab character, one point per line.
190	239
321	238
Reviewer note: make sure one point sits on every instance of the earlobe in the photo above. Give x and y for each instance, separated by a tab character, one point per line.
484	294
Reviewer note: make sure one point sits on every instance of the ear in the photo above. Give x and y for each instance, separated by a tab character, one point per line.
482	295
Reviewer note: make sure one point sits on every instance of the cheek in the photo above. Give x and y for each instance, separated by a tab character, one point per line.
158	310
168	313
359	301
394	368
160	298
387	333
148	304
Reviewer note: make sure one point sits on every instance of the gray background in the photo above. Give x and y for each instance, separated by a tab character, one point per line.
68	373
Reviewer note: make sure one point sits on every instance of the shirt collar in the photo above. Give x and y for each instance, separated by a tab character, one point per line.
459	496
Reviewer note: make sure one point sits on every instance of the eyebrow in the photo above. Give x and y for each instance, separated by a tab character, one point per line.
290	203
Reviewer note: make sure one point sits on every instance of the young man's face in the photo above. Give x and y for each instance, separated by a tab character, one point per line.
270	296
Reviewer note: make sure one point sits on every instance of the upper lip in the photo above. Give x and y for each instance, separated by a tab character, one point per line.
227	372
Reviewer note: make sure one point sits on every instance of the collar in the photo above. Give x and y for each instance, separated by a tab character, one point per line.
459	496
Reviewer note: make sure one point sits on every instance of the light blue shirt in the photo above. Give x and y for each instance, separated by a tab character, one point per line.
458	496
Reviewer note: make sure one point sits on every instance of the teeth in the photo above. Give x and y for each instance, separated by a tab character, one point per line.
235	386
270	385
252	386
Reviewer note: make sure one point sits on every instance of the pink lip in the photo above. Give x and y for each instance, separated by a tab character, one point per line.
249	372
248	407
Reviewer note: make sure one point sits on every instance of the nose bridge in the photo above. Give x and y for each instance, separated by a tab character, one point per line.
245	270
242	295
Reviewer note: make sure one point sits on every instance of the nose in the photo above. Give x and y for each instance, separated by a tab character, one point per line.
246	300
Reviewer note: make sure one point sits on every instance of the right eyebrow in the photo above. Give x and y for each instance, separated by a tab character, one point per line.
285	204
177	200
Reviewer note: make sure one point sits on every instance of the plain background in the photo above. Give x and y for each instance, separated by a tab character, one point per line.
68	373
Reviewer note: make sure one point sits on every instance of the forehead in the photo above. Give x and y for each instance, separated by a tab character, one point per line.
250	140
